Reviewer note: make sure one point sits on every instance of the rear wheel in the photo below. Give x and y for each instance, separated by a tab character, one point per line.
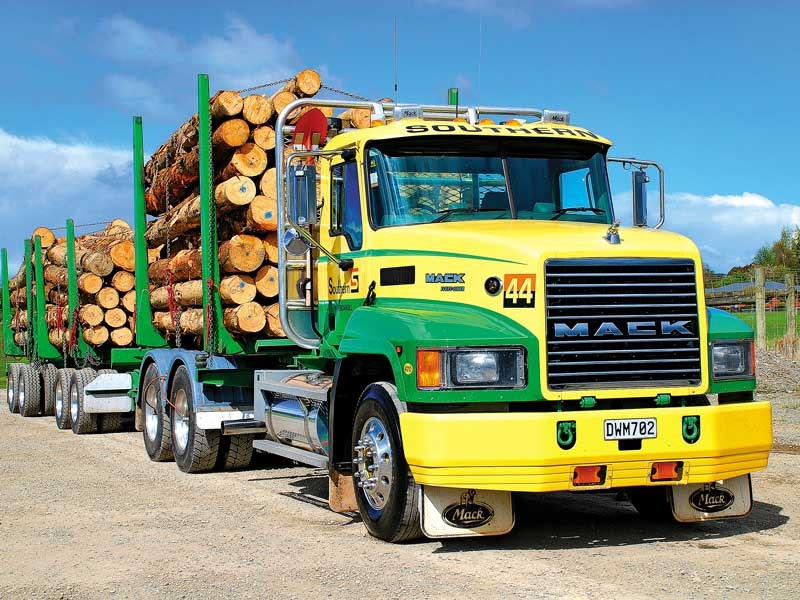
157	431
109	422
11	387
196	450
386	493
651	503
49	379
82	422
28	391
236	451
63	420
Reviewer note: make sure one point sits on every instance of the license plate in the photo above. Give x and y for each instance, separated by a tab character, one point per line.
629	429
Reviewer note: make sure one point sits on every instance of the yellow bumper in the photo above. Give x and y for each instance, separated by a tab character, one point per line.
519	451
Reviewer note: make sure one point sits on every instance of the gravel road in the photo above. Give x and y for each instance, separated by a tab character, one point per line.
92	517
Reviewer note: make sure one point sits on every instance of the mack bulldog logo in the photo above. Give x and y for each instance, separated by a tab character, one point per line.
468	513
712	499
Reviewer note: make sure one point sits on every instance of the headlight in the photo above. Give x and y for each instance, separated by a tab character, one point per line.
733	359
450	368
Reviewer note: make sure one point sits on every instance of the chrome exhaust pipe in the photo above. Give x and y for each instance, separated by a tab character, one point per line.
242	427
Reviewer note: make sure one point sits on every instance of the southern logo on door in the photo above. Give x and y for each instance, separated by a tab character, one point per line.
519	290
468	513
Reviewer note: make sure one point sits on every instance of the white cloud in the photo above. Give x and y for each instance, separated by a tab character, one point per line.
521	12
728	229
45	182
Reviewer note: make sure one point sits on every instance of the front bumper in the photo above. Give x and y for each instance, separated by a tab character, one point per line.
519	451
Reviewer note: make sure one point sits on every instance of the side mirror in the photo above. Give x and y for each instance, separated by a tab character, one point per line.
295	243
639	180
301	182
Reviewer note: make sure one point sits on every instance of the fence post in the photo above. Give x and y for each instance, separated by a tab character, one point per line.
761	311
791	307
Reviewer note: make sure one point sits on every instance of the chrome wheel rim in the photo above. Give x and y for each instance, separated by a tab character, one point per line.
59	401
10	391
373	461
180	427
73	403
21	398
150	412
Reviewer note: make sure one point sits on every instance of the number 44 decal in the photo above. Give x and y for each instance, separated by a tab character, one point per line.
519	290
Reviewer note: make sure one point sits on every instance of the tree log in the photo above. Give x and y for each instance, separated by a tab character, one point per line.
226	104
237	289
123	281
21	339
119	229
58	276
281	100
267	281
271	247
180	219
107	298
237	191
57	297
187	293
264	137
267	185
89	283
273	326
245	318
360	118
56	316
230	134
249	160
96	336
91	315
153	254
181	141
191	321
18	280
181	175
46	237
19	320
257	109
18	297
123	255
122	336
115	317
56	337
129	301
241	254
305	84
184	266
262	214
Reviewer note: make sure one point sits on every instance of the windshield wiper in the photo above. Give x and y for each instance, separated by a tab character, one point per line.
454	211
563	211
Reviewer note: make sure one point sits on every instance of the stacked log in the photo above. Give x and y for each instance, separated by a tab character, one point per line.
243	155
105	262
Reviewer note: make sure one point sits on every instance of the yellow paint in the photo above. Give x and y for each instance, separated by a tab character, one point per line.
519	452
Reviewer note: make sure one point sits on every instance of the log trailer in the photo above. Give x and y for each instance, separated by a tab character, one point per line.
465	319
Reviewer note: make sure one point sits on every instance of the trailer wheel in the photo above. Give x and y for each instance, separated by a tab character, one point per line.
652	503
157	431
11	387
29	391
82	422
386	493
236	451
196	450
49	374
109	422
63	419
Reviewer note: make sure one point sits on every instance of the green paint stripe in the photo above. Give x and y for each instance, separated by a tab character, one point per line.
399	252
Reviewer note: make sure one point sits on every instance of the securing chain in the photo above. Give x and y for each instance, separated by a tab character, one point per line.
264	85
174	312
211	330
343	93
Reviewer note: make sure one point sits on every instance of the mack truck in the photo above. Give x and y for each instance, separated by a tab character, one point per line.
466	319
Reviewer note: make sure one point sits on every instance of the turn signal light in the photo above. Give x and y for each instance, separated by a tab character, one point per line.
376	123
589	475
429	369
485	122
667	471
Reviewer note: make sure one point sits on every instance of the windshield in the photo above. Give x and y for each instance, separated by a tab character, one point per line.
427	181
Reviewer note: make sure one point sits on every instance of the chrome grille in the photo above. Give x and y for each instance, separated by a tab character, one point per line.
621	323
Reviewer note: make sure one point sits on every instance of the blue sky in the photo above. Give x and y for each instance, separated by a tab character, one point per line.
709	89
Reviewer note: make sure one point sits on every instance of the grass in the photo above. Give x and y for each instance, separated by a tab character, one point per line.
775	320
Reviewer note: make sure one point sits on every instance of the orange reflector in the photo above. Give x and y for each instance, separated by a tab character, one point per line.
485	122
376	123
429	369
513	123
667	471
589	475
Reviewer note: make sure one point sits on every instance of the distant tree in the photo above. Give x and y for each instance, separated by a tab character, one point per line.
765	256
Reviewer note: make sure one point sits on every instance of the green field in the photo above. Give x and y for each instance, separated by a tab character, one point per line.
776	323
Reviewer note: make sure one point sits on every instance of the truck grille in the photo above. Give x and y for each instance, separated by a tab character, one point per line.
621	323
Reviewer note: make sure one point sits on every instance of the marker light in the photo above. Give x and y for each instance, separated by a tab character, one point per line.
485	122
589	475
429	369
667	471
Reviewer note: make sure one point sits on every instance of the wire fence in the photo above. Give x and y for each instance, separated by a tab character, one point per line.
767	299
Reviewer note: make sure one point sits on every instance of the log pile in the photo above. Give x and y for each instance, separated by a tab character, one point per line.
105	263
243	155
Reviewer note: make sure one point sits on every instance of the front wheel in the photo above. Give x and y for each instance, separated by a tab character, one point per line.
386	493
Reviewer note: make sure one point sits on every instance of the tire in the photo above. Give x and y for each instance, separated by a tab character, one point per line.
157	430
236	451
49	378
82	422
390	510
29	391
11	387
61	399
652	503
196	450
109	422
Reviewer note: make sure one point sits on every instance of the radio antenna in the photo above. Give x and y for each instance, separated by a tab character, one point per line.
480	57
395	60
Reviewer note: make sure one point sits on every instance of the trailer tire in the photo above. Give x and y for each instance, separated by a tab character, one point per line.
652	503
157	430
29	391
49	373
236	451
390	510
61	399
109	422
82	422
11	387
196	450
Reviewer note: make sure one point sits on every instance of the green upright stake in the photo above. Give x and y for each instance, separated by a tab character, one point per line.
72	291
9	345
146	333
219	339
45	349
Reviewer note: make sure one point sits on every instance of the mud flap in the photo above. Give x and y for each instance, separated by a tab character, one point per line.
453	512
725	499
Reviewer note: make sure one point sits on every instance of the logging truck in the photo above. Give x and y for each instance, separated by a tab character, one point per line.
458	316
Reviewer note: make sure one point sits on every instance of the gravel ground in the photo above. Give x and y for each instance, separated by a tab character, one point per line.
92	517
